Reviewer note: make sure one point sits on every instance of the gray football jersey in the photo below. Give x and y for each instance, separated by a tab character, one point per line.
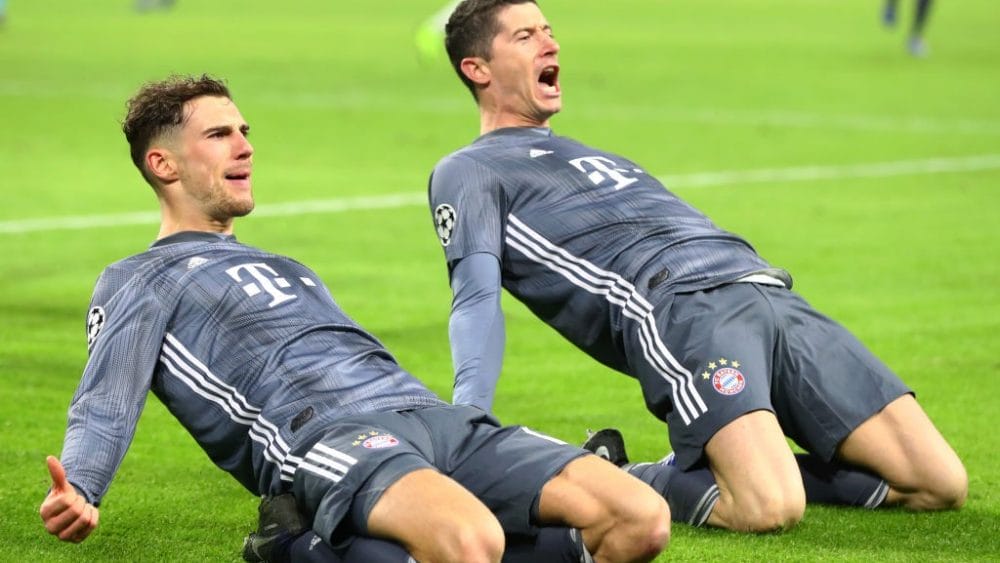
583	236
247	349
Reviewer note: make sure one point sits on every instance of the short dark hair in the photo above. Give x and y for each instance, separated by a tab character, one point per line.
158	107
470	31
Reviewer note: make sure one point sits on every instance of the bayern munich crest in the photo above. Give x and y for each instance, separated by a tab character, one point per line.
444	221
728	381
380	441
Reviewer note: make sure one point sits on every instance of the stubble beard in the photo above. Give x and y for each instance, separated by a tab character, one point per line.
222	206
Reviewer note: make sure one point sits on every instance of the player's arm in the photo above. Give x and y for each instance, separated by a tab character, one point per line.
126	338
476	329
466	200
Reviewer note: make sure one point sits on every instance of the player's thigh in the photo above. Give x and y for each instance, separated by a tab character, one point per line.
619	517
753	464
590	492
903	446
506	467
723	340
828	381
425	509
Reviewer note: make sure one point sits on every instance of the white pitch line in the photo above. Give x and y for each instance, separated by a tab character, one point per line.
848	171
394	201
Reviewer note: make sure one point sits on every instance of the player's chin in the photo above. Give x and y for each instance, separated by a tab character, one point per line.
546	108
241	208
552	104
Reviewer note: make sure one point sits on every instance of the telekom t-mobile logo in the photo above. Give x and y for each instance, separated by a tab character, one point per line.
597	168
267	280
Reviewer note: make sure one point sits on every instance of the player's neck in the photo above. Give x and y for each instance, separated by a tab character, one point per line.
172	223
490	120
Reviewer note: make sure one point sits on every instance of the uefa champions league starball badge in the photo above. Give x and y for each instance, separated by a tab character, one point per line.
444	220
95	322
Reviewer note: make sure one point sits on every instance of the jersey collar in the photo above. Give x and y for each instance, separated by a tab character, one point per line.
192	236
505	131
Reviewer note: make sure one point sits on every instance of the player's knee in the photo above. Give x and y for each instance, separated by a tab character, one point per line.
941	485
949	489
647	528
774	519
480	542
772	514
656	535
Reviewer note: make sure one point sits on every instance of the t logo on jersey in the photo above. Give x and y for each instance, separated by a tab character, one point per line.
267	280
599	169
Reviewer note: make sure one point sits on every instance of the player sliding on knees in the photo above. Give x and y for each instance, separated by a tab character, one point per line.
725	352
283	391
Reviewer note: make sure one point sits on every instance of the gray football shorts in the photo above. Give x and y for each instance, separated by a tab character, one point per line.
743	347
342	476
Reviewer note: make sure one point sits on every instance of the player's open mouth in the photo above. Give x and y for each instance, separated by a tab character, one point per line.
239	177
548	80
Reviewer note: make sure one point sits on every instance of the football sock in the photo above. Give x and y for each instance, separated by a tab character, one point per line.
551	544
839	483
364	549
309	548
691	494
306	547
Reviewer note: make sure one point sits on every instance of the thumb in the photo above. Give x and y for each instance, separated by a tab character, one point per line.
59	482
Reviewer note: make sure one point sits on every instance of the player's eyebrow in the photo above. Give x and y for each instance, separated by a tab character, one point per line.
226	129
532	29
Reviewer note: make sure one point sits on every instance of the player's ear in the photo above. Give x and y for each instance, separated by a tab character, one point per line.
476	69
162	164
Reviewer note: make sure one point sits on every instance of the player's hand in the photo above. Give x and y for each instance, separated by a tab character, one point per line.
65	512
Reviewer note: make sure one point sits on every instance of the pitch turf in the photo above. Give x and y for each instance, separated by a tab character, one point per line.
801	104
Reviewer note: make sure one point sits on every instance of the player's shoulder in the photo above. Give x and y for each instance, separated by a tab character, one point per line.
488	149
461	169
462	158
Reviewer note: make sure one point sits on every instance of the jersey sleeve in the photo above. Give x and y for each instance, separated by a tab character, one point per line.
124	333
476	330
466	203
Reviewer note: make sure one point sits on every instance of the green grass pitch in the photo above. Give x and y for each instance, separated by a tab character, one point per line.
800	124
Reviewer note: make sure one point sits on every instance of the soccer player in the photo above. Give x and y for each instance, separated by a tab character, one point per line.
915	44
725	353
283	391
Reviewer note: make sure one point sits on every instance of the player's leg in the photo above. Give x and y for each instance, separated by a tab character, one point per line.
916	43
923	10
901	444
889	13
621	518
372	475
716	400
691	495
760	488
436	519
840	401
530	480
